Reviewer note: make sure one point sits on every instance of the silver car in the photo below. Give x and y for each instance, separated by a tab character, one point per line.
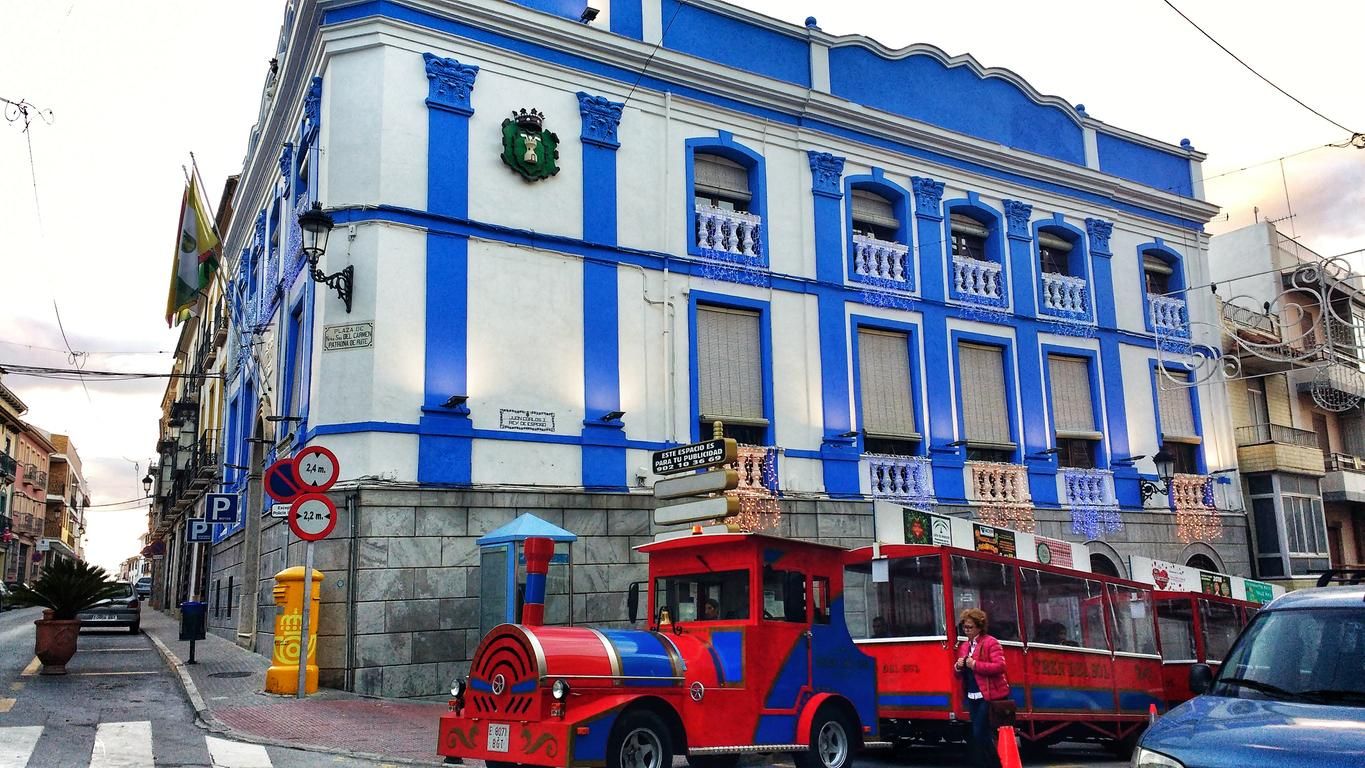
122	610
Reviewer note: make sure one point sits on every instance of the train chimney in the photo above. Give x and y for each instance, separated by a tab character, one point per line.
538	552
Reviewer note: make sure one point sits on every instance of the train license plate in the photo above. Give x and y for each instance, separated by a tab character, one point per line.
498	736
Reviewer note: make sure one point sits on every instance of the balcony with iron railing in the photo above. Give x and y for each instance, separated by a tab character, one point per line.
735	236
1258	434
206	464
9	467
899	478
882	263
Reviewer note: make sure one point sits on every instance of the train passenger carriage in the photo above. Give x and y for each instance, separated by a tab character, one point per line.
746	651
1195	628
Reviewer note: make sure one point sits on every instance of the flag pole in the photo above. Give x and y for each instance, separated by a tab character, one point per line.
213	222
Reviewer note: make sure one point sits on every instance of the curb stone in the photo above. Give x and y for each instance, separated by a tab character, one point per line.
205	715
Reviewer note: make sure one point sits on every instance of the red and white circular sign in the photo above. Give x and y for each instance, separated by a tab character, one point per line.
316	468
312	517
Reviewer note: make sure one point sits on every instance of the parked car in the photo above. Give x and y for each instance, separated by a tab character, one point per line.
122	610
5	598
143	587
1290	694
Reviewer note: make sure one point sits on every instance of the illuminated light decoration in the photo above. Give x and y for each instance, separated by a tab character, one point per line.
735	272
1196	518
759	508
1018	517
1094	522
888	300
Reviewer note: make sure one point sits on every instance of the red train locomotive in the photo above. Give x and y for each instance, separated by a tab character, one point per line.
747	652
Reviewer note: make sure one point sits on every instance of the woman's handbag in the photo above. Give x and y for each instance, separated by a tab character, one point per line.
1003	712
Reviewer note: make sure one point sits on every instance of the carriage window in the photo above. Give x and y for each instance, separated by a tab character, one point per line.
819	594
1133	629
1220	628
1064	610
909	605
687	597
784	595
1175	627
990	587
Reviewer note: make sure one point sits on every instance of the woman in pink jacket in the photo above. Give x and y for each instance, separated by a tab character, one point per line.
981	665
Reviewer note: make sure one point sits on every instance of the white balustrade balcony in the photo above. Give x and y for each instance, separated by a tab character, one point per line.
1192	492
1168	314
736	233
757	467
1089	487
1065	295
994	482
902	478
882	260
974	279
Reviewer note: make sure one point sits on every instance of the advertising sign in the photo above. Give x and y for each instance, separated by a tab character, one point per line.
1053	552
992	540
1259	591
711	453
1215	584
926	528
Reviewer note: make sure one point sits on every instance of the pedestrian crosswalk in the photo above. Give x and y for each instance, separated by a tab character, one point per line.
128	745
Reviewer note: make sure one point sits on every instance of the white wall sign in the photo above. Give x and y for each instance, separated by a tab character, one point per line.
348	336
535	421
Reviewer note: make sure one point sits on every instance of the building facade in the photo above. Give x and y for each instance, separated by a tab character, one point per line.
29	501
11	424
952	293
1296	323
67	497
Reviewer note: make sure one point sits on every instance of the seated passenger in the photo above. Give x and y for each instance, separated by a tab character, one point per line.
710	610
1051	632
879	627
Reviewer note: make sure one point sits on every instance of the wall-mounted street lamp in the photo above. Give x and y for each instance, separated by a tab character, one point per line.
317	225
147	484
1165	471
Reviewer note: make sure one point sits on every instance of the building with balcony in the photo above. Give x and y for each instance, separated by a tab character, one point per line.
68	495
12	425
1295	322
892	275
28	502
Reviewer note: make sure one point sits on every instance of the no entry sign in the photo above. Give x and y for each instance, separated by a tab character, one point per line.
312	517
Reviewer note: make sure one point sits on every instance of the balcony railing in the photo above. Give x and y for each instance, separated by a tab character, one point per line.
1192	492
998	483
9	467
1065	295
901	478
56	488
39	479
1345	462
206	464
1259	434
1168	314
736	233
975	279
886	262
757	467
1089	487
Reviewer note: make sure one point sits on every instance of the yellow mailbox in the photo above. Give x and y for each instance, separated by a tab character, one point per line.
283	675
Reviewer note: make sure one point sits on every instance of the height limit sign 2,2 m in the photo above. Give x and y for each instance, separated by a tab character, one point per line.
312	517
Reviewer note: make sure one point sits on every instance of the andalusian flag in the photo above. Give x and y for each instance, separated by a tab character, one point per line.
196	258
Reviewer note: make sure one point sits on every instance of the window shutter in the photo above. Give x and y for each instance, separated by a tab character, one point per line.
1156	264
871	208
716	175
884	381
729	369
1177	413
1049	240
966	225
1073	412
984	416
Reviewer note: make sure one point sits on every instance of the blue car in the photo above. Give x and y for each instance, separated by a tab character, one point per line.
1290	694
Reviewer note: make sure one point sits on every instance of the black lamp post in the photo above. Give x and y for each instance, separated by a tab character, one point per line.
317	225
1165	470
147	484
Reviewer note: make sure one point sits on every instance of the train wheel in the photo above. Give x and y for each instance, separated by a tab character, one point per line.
639	740
830	744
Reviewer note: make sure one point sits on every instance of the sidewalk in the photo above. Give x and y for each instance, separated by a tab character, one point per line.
225	688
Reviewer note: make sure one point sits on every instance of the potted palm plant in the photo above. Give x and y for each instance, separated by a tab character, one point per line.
65	588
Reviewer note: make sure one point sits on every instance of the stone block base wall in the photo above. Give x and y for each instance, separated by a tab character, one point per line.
405	590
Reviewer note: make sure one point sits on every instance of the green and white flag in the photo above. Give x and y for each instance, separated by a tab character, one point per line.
196	257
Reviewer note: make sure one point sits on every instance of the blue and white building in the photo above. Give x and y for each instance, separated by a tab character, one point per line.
892	274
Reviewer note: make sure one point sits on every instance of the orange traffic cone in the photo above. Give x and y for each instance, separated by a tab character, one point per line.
1007	748
1152	714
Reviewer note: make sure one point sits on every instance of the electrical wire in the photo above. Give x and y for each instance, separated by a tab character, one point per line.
66	374
1355	135
657	46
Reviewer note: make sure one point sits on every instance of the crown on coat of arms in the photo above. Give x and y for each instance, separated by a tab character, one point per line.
529	120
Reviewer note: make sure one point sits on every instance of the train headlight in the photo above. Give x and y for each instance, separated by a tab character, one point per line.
457	687
560	690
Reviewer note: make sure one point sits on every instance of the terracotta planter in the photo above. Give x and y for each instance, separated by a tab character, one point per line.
55	643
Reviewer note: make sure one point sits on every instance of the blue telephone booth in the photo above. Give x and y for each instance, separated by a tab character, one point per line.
502	573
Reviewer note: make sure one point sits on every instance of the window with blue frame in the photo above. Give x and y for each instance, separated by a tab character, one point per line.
984	403
730	373
976	265
295	361
1179	432
1163	282
726	218
1073	412
1062	289
879	245
884	387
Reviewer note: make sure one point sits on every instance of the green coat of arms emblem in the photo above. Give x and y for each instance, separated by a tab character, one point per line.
527	147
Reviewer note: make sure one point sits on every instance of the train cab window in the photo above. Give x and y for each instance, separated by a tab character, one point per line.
1220	626
1175	627
720	596
1132	618
819	599
990	587
1064	610
784	595
908	604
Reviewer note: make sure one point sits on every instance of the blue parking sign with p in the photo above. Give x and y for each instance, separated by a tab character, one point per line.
198	531
221	508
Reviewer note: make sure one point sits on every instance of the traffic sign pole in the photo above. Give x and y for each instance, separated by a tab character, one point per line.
307	609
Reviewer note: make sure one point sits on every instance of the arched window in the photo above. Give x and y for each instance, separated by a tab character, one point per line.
1157	273
969	237
1202	562
1102	565
875	215
1054	253
720	182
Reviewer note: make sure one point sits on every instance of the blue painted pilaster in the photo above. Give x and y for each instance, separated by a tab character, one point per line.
1111	363
1042	469
932	251
839	455
604	452
445	441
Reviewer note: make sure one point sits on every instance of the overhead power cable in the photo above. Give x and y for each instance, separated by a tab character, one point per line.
47	372
1356	136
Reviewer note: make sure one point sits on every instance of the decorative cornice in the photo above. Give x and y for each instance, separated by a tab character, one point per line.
601	117
825	172
1099	231
928	196
451	84
1017	215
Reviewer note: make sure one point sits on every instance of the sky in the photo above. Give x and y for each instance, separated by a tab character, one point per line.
90	192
